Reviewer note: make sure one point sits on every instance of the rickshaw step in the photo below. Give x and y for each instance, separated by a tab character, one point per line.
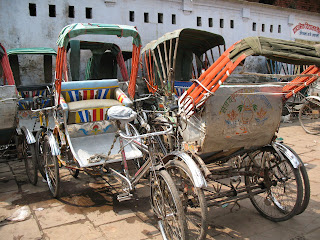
124	197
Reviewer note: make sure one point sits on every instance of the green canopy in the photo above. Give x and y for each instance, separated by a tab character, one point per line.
198	41
76	29
278	50
38	50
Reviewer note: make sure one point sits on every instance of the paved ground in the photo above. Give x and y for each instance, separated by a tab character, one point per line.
88	209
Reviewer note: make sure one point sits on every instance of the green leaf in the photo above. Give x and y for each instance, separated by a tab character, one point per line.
240	107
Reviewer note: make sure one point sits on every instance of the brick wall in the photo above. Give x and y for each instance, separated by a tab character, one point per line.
305	5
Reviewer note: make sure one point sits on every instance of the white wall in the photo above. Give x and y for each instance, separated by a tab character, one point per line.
19	29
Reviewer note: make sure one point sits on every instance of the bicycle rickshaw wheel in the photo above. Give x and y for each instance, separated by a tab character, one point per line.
283	193
305	182
167	206
193	199
30	161
39	152
309	117
51	168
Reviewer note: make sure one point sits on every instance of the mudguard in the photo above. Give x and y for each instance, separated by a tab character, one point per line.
53	144
282	149
198	178
29	136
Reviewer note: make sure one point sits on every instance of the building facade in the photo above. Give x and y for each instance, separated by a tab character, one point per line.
37	23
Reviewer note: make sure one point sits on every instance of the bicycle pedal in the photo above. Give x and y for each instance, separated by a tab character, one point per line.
124	197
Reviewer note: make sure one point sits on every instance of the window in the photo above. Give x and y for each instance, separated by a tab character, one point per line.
71	11
88	13
279	28
263	27
271	28
146	17
131	16
210	22
32	9
174	19
160	17
199	24
254	26
52	10
231	24
221	23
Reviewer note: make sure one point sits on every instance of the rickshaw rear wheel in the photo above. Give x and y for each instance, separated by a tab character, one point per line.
305	183
166	204
51	168
30	161
193	199
283	193
309	117
39	152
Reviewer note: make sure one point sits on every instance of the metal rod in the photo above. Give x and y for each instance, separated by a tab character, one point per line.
158	70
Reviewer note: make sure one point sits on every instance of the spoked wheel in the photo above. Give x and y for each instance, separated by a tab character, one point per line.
305	183
167	205
30	161
309	117
283	193
51	168
39	152
193	199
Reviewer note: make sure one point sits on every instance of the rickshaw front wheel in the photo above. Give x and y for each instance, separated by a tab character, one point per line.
51	168
167	206
193	199
39	151
30	161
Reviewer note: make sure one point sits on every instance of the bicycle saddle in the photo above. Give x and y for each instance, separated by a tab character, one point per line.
121	113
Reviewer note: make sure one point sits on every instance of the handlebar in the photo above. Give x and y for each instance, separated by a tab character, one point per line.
42	109
147	134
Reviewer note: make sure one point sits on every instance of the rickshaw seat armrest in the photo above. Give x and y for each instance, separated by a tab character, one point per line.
63	104
123	98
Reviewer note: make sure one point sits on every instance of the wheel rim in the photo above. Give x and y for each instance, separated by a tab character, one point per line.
281	197
310	118
164	207
190	201
50	168
29	161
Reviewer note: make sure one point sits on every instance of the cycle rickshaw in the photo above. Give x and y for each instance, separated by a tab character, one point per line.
31	92
93	132
229	130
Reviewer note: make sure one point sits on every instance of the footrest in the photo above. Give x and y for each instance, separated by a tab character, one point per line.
124	197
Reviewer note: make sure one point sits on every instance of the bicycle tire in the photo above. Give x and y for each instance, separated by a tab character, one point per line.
306	183
167	206
309	117
39	152
193	199
272	207
30	161
51	168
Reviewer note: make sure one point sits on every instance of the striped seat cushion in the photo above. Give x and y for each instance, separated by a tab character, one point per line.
90	110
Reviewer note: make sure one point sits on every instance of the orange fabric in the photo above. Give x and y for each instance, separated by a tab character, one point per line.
8	76
134	71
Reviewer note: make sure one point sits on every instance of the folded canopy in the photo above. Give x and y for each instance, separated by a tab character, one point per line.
76	29
38	50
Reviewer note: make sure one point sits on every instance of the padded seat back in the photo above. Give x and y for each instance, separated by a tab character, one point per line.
89	101
91	89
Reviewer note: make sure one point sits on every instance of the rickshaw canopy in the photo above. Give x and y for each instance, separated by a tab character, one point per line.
76	29
38	50
198	41
278	50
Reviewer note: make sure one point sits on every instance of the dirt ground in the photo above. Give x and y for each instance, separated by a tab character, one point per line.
88	209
